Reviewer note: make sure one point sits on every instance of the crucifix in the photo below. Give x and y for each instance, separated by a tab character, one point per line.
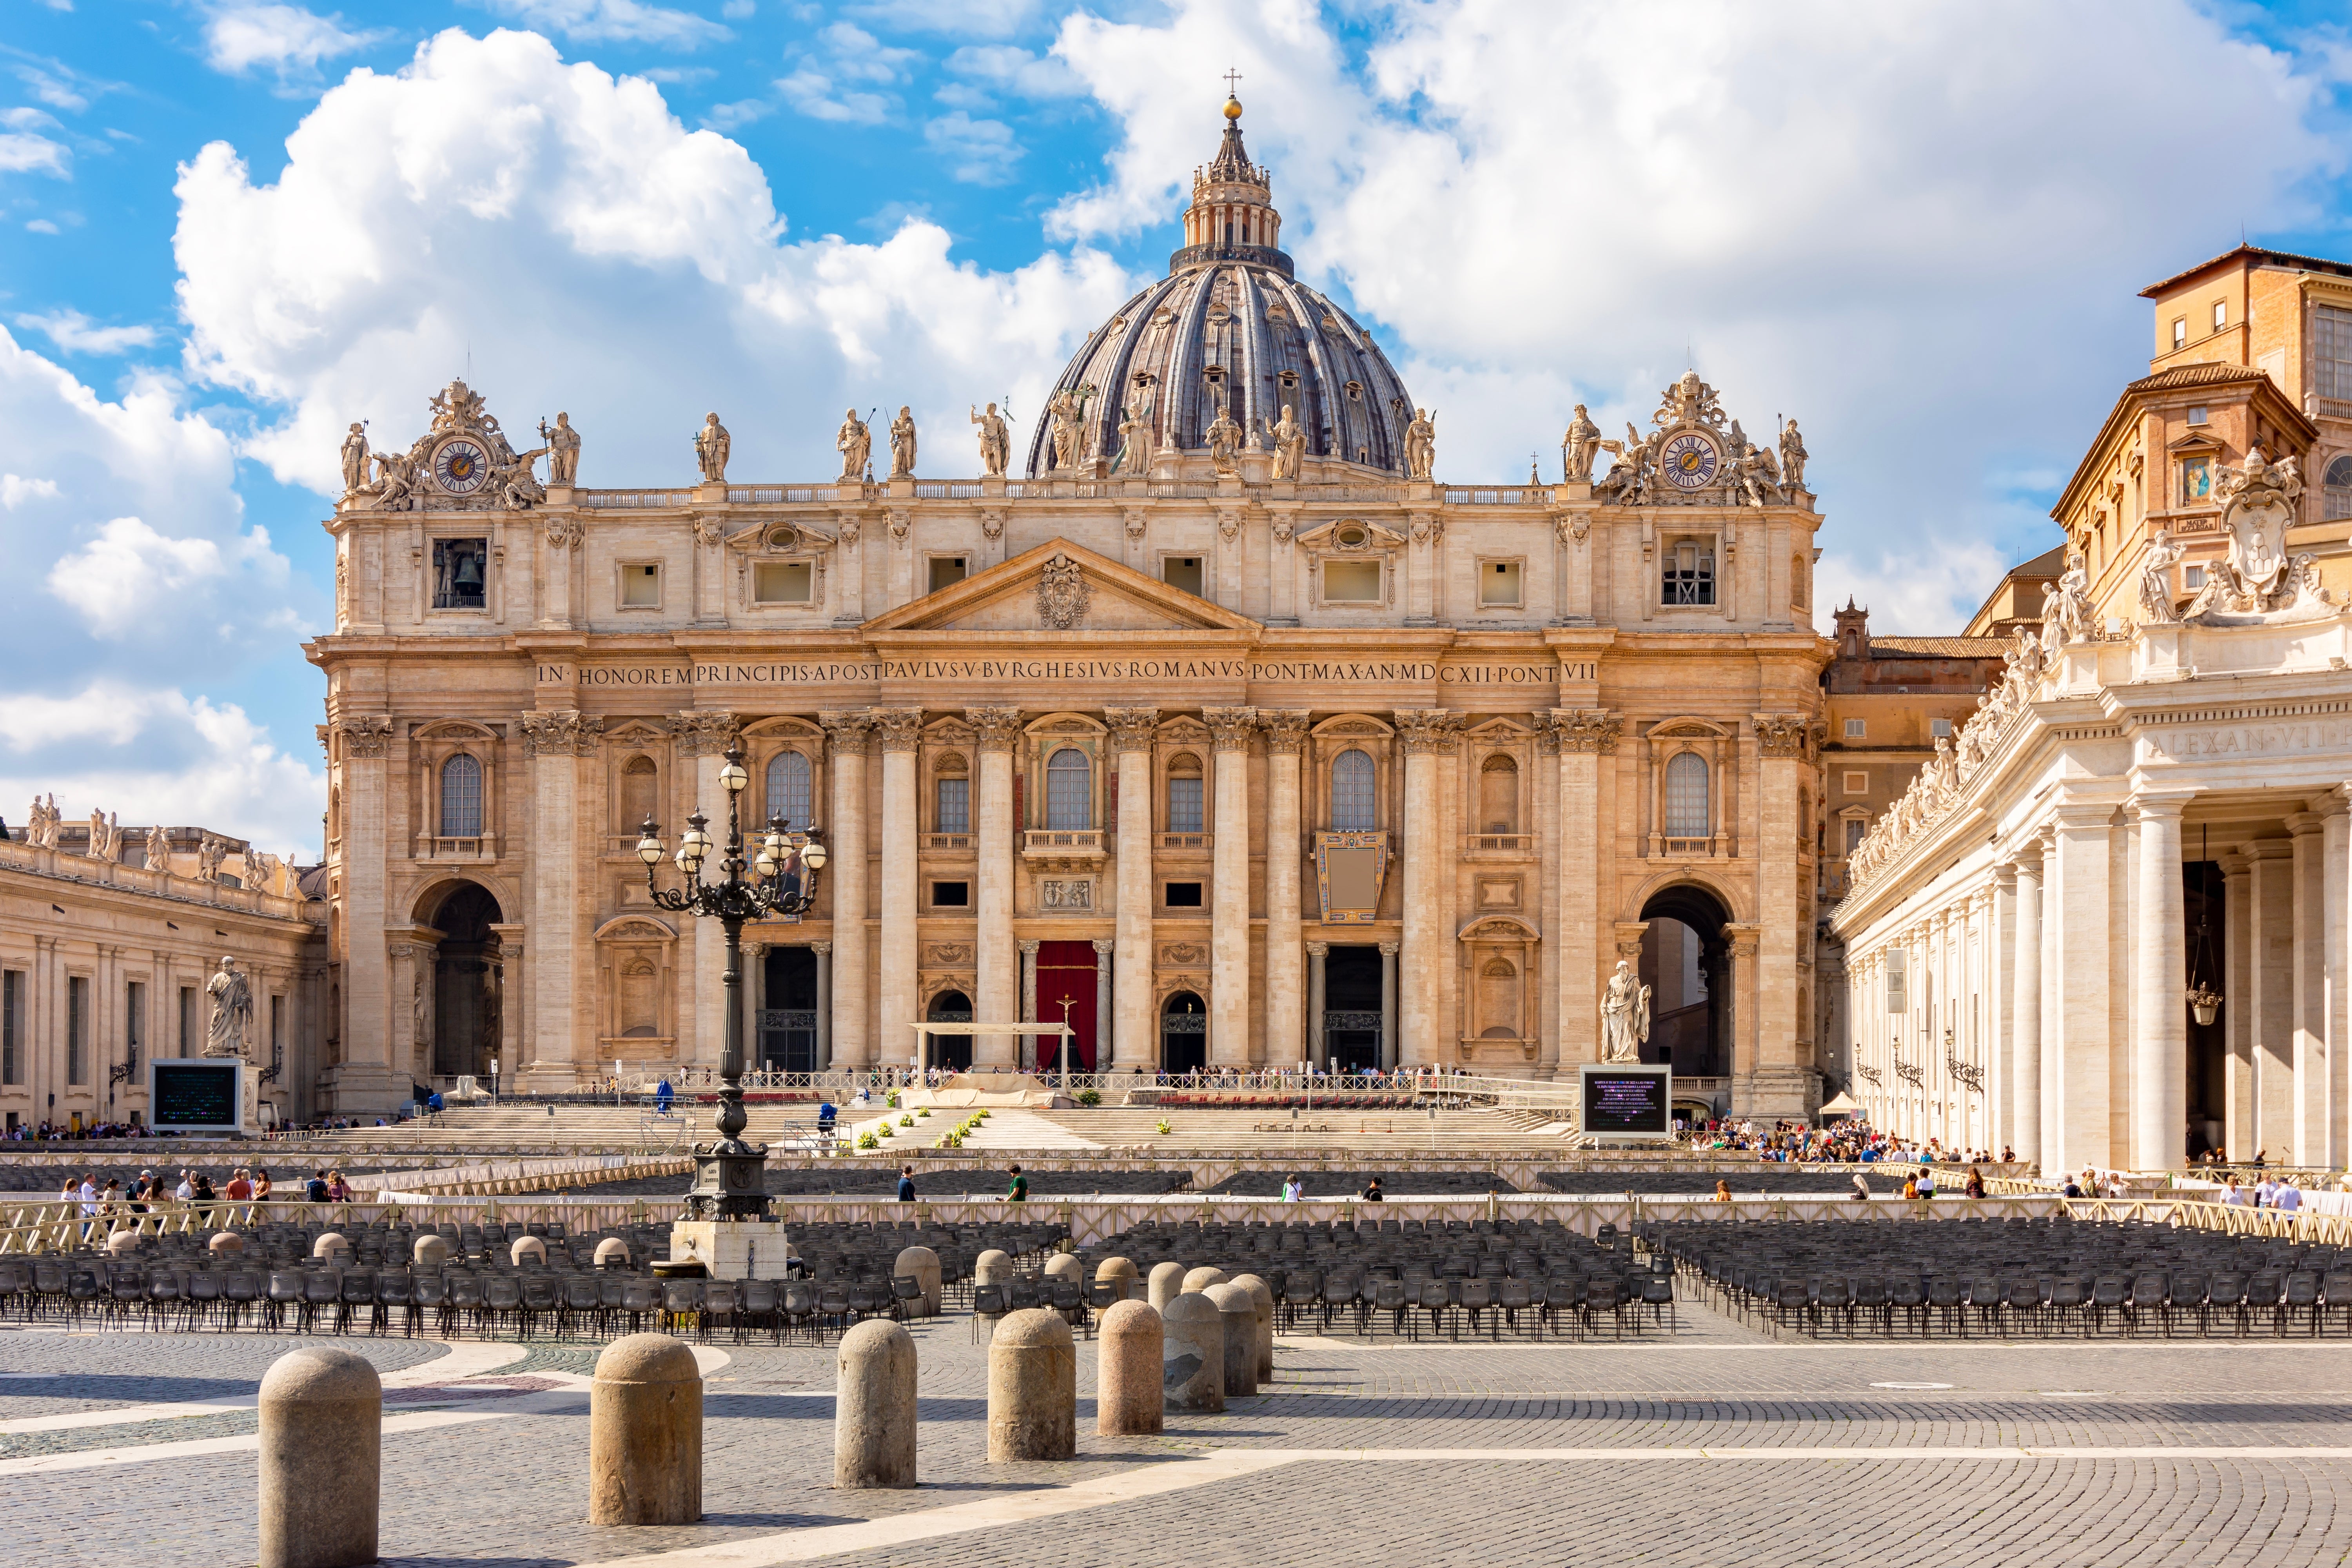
1231	77
1067	1004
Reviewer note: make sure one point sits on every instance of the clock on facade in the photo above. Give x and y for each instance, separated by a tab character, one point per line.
1689	461
461	466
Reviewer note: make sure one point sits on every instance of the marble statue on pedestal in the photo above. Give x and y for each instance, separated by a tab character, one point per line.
355	459
231	1022
854	442
562	450
1288	438
1578	447
902	444
1421	445
1624	1015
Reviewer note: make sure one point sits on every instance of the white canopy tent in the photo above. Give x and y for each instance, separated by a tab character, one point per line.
927	1028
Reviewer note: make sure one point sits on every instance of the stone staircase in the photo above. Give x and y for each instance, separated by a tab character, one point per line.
1263	1132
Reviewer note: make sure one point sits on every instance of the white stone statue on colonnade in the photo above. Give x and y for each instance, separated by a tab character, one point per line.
355	459
1135	436
1225	441
1578	448
1288	436
854	442
995	442
1792	457
231	1023
1624	1015
1421	445
710	448
562	450
902	444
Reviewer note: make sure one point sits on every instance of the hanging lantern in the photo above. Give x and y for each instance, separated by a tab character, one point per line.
2203	1002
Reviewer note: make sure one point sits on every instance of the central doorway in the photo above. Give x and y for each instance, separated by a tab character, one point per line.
949	1052
467	983
788	1020
1066	972
1687	962
1352	1008
1183	1033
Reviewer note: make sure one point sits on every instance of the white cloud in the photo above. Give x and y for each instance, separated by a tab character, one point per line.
242	34
617	21
40	225
78	334
555	222
725	117
1016	70
973	19
842	79
54	83
1893	223
979	152
21	153
16	491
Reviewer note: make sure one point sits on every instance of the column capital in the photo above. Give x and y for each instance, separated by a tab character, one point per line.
1029	949
998	727
560	732
1229	728
1286	730
2146	805
365	736
847	727
820	947
1784	734
1318	949
1743	937
705	733
902	728
1593	730
1629	937
1428	730
2305	823
1388	949
1104	946
1131	729
1547	733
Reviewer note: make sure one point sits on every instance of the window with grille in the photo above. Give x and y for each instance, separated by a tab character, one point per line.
78	1029
788	789
1067	780
12	1003
1686	796
2331	351
1690	574
954	813
461	797
1351	792
1184	804
2339	488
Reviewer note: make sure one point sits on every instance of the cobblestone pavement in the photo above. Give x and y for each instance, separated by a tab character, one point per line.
1707	1446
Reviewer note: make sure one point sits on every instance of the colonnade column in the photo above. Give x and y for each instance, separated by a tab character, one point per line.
2160	1033
2025	1020
1421	733
1133	1046
1389	1054
2079	1023
2266	1003
846	734
2237	996
2311	1000
704	737
999	981
367	967
1547	797
1287	1030
1106	955
823	1055
1317	1048
2336	878
898	960
1229	923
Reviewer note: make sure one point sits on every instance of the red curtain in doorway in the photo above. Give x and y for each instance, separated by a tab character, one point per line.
1066	970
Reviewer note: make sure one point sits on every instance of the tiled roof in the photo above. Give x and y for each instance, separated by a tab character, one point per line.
2259	255
2203	373
1937	647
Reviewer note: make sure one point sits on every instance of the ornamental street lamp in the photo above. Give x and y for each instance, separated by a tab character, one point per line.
727	1182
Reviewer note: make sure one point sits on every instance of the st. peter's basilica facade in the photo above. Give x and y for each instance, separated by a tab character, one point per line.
1227	733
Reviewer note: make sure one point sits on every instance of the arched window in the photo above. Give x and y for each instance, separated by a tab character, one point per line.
1351	792
1686	796
1184	797
640	793
788	789
2339	488
461	797
1068	798
1498	794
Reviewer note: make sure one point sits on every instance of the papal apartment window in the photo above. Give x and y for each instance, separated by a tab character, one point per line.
2338	502
1184	896
461	797
2179	330
1351	792
1184	801
1857	729
2196	480
950	895
946	571
1351	582
952	812
78	1029
641	586
2331	351
1855	781
1498	583
2197	414
460	574
1690	574
1939	728
1181	572
788	789
12	1013
783	583
1686	796
1070	781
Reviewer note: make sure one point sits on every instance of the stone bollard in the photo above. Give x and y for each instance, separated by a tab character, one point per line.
921	1265
874	1410
1262	1295
122	1242
645	1434
528	1247
431	1251
1201	1279
1128	1400
1062	1266
611	1252
1117	1270
322	1459
226	1241
1192	1354
1167	1283
992	1267
331	1245
1239	1309
1033	1388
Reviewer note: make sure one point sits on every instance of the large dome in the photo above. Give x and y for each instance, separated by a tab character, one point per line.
1231	326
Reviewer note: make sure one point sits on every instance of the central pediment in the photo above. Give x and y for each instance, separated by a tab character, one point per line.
1061	587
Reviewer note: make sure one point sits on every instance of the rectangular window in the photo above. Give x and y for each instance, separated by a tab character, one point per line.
2196	480
1857	729
187	1020
12	1013
1857	782
277	1027
1897	1001
954	814
783	583
1498	583
641	586
78	1029
946	571
460	574
1351	582
2197	414
2179	330
2192	577
950	895
1184	805
1854	829
2331	351
1939	728
1183	895
1181	572
1690	574
134	1018
2220	314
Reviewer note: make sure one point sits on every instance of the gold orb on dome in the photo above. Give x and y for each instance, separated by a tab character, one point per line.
1233	108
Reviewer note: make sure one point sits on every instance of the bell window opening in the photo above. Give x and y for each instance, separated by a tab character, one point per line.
460	574
1690	574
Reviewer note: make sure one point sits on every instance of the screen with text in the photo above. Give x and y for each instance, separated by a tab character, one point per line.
195	1094
1626	1102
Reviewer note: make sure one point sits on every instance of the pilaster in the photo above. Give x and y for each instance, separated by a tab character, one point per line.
1134	1043
1287	1025
853	1042
899	960
1228	924
997	729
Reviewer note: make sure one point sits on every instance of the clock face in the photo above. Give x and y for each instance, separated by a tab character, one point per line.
461	466
1689	461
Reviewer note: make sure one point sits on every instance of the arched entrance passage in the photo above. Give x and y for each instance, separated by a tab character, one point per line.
1183	1033
1687	962
950	1053
469	984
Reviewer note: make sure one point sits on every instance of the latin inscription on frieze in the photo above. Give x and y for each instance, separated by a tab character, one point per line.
2249	740
1106	672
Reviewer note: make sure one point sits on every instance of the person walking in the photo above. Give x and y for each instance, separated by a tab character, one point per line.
906	1183
1371	1192
1018	1192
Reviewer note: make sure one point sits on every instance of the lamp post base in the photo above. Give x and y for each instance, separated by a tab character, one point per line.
730	1182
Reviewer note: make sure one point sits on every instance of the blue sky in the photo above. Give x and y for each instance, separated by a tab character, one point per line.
227	228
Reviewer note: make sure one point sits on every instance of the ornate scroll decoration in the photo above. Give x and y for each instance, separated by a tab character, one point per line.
848	729
996	728
704	733
1784	734
1130	728
902	728
1286	730
560	732
365	735
463	463
1062	593
564	532
1593	730
1547	734
1229	728
1428	730
992	524
2257	582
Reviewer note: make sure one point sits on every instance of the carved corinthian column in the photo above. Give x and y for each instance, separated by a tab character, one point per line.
1286	1022
562	1026
1229	968
1585	735
703	737
1000	979
852	1036
901	730
1422	733
1133	1041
